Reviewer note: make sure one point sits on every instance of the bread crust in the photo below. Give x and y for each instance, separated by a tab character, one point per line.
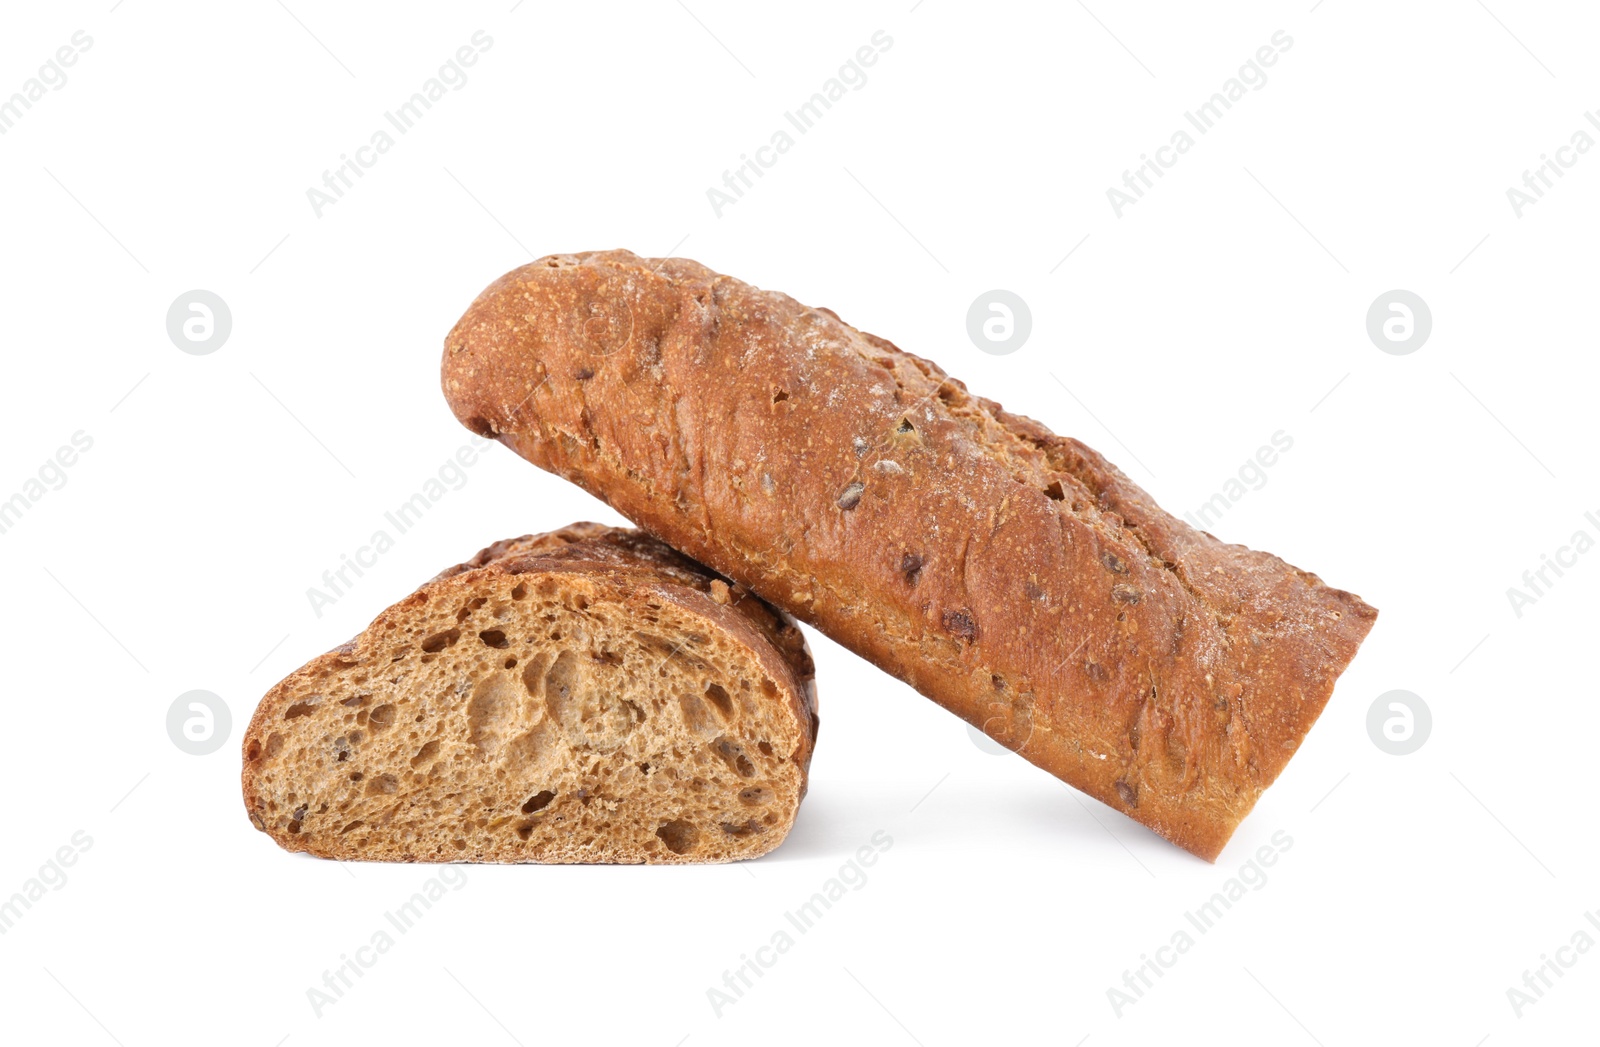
1014	576
632	566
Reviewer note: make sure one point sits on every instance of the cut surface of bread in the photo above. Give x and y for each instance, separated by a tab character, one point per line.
586	695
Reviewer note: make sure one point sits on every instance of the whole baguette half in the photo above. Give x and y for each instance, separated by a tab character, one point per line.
586	695
1014	576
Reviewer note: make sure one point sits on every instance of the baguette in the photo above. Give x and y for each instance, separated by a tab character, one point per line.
586	695
1014	576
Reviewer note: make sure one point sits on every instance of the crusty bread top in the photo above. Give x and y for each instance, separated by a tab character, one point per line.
1012	574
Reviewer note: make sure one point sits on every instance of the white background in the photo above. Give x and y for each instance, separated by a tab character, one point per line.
1226	305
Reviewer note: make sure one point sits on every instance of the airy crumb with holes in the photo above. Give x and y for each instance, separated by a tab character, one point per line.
586	695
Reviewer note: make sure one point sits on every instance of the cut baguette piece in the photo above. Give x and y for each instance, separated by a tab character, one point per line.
586	695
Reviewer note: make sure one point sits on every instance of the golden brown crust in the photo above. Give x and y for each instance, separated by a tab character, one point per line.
632	568
1013	575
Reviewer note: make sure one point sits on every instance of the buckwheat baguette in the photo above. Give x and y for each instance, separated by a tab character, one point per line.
586	695
1014	576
